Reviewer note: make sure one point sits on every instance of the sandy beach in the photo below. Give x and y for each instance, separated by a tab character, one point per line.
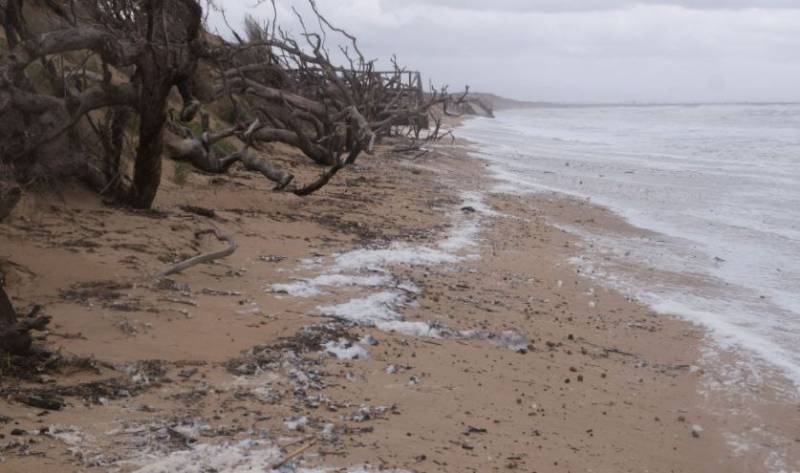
405	318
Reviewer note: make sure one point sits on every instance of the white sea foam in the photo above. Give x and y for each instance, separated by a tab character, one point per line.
380	310
243	457
397	254
717	188
723	201
345	350
371	269
313	287
248	456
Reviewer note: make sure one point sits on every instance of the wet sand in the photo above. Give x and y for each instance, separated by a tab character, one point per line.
157	373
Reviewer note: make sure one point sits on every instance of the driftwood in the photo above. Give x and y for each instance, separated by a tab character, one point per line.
291	456
15	337
321	181
9	198
207	258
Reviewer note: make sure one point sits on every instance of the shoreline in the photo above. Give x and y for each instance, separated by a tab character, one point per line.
603	385
754	399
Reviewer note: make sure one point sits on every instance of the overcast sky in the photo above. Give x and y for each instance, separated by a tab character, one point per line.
580	50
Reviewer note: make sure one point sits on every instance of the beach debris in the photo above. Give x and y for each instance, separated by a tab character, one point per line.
250	308
188	372
168	284
510	339
369	340
296	423
247	455
43	401
367	413
344	349
267	395
220	293
201	211
71	436
292	456
696	431
207	258
107	291
470	430
272	258
129	327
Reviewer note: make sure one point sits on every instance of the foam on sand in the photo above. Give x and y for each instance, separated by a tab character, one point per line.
380	310
372	268
313	287
345	350
248	456
243	457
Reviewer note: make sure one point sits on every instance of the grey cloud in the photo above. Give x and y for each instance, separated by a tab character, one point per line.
649	52
552	6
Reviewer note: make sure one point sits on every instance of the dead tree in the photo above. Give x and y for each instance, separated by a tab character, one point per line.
331	112
107	69
141	50
200	153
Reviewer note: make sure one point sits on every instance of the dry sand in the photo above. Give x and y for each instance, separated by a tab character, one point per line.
160	373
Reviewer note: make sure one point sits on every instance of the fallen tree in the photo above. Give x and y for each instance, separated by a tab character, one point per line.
93	86
86	92
157	42
206	258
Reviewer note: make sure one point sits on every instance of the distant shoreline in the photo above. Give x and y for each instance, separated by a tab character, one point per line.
645	105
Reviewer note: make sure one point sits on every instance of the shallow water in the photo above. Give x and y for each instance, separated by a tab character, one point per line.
718	184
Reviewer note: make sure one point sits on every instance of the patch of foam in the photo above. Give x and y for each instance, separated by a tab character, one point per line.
346	350
729	335
477	201
243	457
313	287
296	423
464	236
71	436
371	268
414	329
397	254
378	307
510	339
379	310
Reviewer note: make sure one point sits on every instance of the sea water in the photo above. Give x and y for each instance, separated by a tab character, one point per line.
716	186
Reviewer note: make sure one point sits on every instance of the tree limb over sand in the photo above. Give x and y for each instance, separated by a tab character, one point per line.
201	259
